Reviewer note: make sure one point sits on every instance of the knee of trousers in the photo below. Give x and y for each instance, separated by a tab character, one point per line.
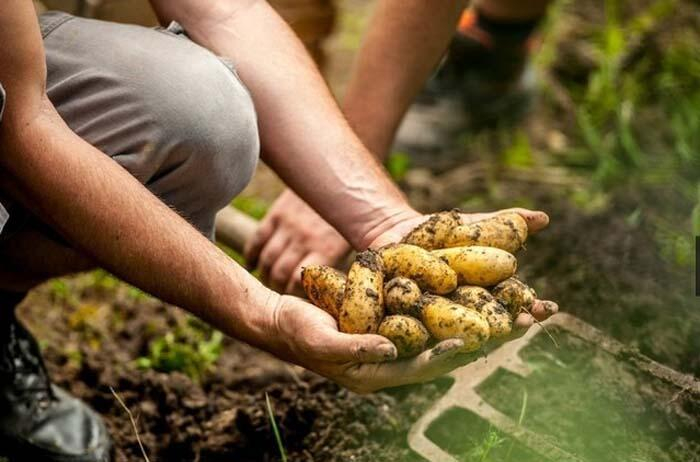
208	125
169	111
204	132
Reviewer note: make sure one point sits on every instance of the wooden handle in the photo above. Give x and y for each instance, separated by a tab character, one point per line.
235	228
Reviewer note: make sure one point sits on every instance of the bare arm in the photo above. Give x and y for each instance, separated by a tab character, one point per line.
304	136
100	208
404	43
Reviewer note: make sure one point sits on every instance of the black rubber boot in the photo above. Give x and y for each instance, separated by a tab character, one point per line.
39	421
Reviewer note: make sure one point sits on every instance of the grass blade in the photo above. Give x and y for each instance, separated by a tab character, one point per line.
276	431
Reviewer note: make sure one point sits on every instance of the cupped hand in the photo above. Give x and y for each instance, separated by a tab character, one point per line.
292	235
363	363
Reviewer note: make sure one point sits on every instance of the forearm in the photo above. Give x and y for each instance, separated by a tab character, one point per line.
304	136
105	213
404	43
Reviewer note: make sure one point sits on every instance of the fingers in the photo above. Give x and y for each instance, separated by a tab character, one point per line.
433	363
535	219
284	266
272	250
354	348
543	309
252	249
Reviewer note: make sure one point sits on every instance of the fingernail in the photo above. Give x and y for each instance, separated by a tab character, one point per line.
445	347
388	351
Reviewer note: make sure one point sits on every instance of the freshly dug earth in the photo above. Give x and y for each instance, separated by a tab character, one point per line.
91	338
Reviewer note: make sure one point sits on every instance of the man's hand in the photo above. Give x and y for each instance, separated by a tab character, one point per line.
308	336
292	236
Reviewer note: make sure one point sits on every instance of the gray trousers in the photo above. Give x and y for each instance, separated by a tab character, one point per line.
171	113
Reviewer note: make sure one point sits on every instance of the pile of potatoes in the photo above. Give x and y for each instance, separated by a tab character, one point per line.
445	280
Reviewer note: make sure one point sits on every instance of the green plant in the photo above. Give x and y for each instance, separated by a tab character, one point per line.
251	205
398	164
275	430
191	349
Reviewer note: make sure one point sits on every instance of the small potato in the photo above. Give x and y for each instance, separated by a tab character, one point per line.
363	306
499	319
481	300
446	319
325	287
506	231
471	296
401	296
406	332
433	233
413	262
514	295
481	266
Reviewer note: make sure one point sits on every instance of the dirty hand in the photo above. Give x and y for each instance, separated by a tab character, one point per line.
292	235
536	221
308	336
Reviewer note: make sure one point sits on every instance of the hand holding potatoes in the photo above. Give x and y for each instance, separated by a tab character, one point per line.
448	279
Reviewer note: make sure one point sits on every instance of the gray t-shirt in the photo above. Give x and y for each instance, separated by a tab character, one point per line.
4	216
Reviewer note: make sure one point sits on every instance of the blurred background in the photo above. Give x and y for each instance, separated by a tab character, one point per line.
603	134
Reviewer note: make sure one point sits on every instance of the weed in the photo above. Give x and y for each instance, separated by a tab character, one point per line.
191	349
398	164
251	205
275	430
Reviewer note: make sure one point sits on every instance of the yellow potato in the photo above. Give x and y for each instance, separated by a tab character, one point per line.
325	287
499	319
446	319
401	296
476	265
471	296
506	231
514	295
406	332
413	262
363	306
433	233
481	300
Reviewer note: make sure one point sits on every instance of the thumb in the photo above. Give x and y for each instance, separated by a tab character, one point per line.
364	348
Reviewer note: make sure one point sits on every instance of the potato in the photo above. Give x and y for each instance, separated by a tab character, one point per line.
514	295
471	295
401	296
363	306
325	287
481	300
476	265
433	233
446	319
413	262
506	231
406	332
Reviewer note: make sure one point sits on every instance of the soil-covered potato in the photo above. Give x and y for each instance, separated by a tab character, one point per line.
481	300
446	319
514	295
428	271
406	332
476	265
401	296
506	231
325	287
362	309
471	295
434	232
